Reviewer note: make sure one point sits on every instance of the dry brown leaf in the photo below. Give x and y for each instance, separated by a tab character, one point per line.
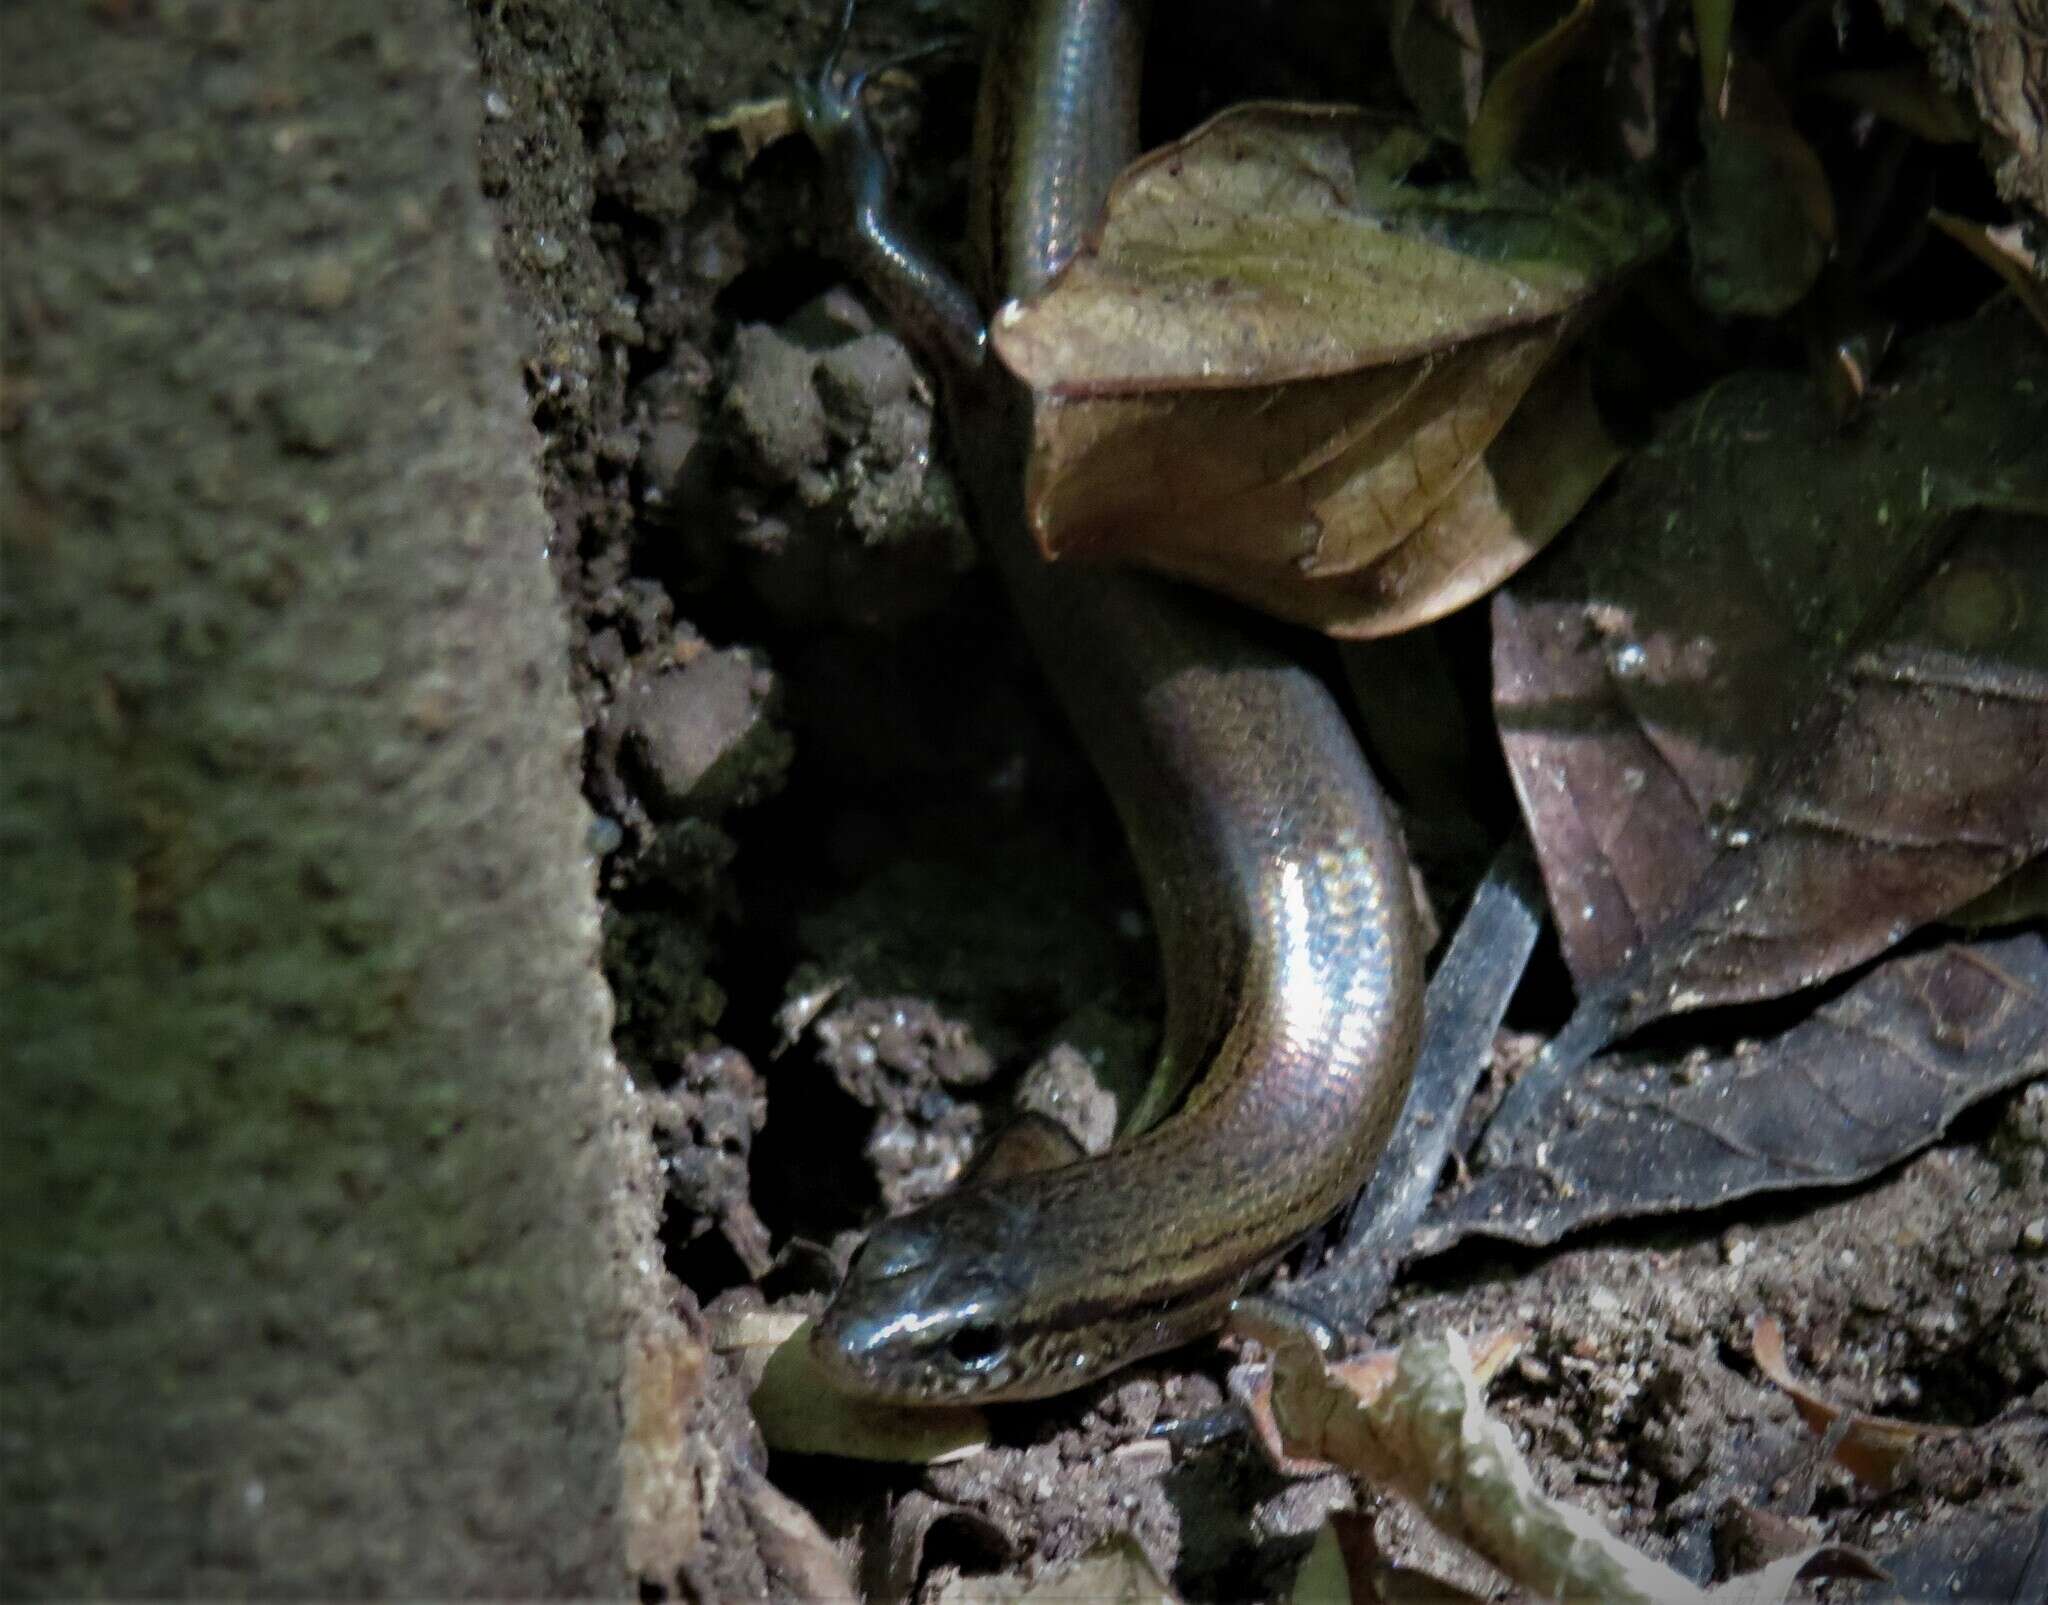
757	123
1875	1450
1288	377
1789	707
2005	252
1516	91
1423	1435
1365	1376
1288	497
1876	1072
1276	242
1544	465
1362	505
802	1562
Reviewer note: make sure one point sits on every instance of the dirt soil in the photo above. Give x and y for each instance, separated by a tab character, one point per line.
862	890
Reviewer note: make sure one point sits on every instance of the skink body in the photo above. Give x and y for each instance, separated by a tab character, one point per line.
1271	862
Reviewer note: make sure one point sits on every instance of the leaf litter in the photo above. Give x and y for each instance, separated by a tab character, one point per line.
1720	689
1288	375
1784	700
1873	1074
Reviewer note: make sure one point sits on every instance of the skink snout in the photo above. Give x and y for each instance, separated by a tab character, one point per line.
916	1353
910	1324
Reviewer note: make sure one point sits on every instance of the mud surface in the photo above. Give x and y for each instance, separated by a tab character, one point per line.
862	889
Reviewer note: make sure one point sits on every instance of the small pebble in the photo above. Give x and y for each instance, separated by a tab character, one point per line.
605	835
326	285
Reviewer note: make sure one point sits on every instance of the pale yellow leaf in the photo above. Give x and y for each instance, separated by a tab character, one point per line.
1115	1573
799	1409
1276	243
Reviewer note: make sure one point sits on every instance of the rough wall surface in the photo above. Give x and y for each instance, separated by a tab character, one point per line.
307	1223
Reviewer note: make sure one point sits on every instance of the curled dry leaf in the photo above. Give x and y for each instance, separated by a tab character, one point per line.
802	1562
1786	698
1279	242
1287	377
2005	252
893	1562
757	123
1365	1377
1402	525
1518	89
1875	1450
1871	1076
1476	70
1424	1436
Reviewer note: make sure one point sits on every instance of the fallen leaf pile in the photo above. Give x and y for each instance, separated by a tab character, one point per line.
1784	698
1291	377
1415	1426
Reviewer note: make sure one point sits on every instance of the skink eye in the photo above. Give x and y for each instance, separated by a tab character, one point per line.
974	1348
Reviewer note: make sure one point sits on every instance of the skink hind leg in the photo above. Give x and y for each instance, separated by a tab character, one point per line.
1276	1324
1273	1324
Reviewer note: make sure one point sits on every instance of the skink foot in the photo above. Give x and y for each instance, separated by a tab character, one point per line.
1277	1324
1189	1433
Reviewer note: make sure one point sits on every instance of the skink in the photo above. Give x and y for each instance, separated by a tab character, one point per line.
1274	872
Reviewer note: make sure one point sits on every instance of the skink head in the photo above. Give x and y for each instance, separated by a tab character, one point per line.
930	1304
972	1298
